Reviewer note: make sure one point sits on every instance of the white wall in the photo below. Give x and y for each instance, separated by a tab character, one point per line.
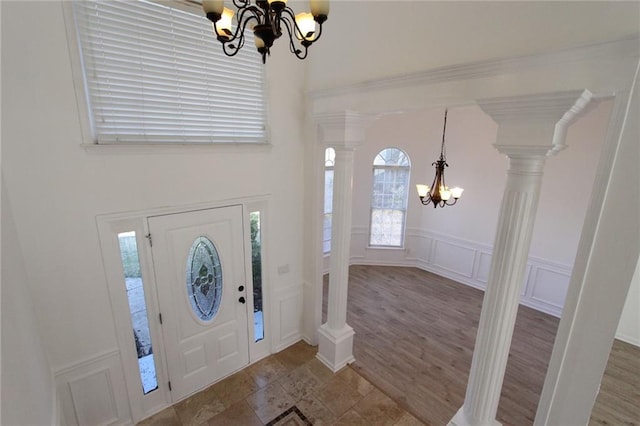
629	325
457	241
28	395
366	40
57	187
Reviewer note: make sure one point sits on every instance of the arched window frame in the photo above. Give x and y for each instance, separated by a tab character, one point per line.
389	195
329	163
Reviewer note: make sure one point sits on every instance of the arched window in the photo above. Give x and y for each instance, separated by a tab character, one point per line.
329	161
391	169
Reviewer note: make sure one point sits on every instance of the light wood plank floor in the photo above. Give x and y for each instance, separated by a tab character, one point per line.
415	333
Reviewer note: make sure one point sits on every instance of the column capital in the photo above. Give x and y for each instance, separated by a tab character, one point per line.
532	125
344	129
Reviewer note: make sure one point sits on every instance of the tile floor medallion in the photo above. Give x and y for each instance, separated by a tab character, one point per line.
290	388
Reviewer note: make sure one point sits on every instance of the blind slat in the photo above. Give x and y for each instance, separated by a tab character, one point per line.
158	74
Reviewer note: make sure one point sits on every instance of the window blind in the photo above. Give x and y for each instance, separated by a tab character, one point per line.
158	74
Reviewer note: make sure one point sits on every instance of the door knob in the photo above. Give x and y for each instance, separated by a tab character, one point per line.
241	288
242	299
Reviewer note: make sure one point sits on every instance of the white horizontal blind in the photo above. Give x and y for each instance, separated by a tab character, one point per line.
158	74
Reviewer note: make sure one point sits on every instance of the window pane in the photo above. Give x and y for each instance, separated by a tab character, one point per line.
386	227
330	155
326	234
204	279
138	310
389	197
328	191
256	268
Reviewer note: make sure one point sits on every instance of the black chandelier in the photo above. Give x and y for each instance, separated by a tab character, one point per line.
266	18
439	194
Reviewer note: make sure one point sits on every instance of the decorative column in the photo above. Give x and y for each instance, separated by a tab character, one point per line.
344	132
530	129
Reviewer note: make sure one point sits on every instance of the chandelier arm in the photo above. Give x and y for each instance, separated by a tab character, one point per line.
292	47
241	4
228	47
294	26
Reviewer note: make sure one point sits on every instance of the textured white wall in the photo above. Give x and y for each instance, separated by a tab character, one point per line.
28	395
478	167
629	325
365	40
58	188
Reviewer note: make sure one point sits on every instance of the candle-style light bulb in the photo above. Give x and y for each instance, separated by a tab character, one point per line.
456	192
307	26
423	190
223	26
319	7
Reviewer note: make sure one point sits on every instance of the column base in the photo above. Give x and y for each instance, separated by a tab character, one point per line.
335	347
460	419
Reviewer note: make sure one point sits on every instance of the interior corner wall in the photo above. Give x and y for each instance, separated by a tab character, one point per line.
28	395
456	241
629	325
59	187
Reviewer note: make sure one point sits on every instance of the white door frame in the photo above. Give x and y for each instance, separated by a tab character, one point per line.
109	226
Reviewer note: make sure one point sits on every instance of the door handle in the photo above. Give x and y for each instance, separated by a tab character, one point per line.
241	299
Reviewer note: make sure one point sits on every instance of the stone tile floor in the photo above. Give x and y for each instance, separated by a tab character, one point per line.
262	391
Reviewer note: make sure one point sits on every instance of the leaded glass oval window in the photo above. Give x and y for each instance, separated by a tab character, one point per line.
204	278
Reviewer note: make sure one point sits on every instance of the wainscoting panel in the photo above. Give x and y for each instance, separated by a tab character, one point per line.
93	392
548	285
455	258
289	302
483	267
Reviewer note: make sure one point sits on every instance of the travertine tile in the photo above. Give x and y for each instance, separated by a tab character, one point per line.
300	382
199	408
351	418
239	414
315	411
269	401
296	355
319	370
266	389
339	394
378	409
354	380
167	417
235	388
266	371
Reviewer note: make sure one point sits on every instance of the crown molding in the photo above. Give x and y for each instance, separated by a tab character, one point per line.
544	112
627	47
344	129
553	106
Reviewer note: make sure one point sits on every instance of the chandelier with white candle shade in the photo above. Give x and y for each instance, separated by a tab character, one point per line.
439	193
268	19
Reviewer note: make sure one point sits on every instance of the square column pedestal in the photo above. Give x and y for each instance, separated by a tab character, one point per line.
335	347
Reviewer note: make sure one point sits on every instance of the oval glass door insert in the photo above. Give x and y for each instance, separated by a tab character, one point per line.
204	278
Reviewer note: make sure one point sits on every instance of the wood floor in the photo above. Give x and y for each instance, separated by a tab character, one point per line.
415	333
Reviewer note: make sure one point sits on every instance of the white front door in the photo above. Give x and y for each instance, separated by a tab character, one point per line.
200	274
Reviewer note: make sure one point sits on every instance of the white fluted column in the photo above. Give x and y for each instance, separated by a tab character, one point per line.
344	132
530	129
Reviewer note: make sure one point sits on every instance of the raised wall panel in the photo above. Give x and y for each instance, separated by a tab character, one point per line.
93	398
289	305
549	286
484	266
453	257
93	392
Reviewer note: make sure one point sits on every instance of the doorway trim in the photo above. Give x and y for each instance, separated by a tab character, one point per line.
109	225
